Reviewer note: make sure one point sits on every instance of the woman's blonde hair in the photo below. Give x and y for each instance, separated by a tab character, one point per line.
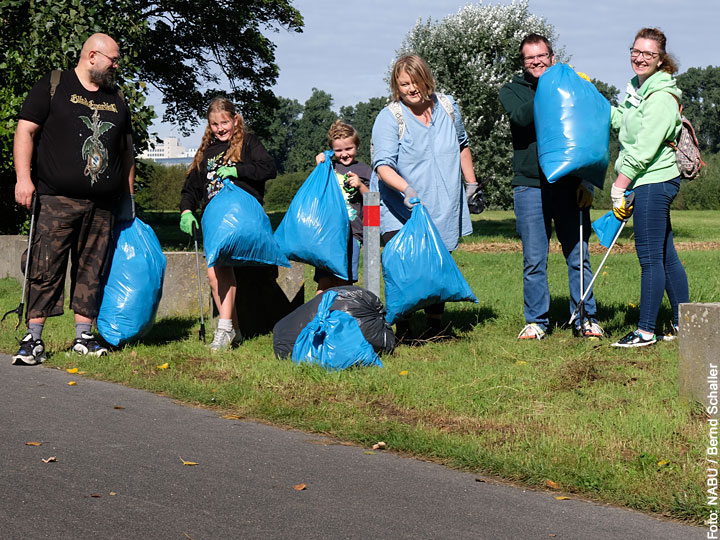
419	73
341	130
669	64
234	152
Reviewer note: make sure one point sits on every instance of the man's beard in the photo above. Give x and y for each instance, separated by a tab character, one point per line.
104	79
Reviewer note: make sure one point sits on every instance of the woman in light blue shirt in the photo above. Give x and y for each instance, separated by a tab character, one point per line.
420	149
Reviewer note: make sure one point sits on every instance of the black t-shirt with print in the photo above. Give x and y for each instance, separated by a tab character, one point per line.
364	171
83	137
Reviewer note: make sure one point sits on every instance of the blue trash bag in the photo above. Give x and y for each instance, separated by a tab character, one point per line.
572	123
133	286
333	340
316	226
418	269
237	231
606	227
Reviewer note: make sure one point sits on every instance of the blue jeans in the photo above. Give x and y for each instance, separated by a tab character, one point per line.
535	210
661	269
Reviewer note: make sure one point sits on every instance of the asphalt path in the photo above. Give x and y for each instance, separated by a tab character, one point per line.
119	473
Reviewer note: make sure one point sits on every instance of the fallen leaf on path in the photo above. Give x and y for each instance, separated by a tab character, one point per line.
562	498
379	446
51	459
232	417
72	383
33	443
72	370
163	366
118	407
299	487
369	453
190	463
96	495
551	484
112	493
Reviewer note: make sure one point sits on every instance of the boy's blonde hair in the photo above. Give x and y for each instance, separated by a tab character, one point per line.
419	72
341	130
234	152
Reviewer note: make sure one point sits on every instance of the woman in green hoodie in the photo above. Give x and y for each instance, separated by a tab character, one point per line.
647	119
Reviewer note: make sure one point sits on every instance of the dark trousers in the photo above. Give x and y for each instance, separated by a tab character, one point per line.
67	227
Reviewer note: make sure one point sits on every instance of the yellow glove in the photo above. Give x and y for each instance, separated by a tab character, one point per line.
584	197
623	202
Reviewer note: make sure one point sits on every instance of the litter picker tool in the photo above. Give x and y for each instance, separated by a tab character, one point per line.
580	305
21	307
201	333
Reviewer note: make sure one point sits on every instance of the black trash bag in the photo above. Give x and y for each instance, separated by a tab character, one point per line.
364	306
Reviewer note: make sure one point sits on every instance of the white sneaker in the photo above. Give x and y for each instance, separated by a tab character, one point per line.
590	329
532	331
222	340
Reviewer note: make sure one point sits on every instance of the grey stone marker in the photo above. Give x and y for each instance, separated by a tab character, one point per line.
699	353
371	241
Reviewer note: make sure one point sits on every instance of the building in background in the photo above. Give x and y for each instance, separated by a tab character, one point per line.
169	152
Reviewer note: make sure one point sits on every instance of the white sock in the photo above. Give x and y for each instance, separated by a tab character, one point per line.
645	335
225	324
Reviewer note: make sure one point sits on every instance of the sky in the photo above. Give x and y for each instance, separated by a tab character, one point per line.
347	46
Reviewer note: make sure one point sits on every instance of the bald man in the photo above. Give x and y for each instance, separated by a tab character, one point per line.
73	153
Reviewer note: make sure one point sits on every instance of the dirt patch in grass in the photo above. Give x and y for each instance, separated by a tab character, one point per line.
595	248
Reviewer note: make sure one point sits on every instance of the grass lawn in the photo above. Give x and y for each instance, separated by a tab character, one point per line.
592	420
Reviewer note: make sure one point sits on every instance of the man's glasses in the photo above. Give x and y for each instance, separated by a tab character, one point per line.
115	61
646	55
544	57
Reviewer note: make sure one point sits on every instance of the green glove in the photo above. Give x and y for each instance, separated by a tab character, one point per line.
226	172
186	222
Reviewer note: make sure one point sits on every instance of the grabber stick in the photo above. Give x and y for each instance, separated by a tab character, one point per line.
597	273
201	333
19	310
581	303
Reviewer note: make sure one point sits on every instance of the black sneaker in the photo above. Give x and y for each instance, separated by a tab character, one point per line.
87	344
671	333
437	331
31	352
634	339
403	334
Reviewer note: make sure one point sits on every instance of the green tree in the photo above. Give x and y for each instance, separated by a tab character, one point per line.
701	102
361	117
281	130
609	91
175	46
472	54
311	133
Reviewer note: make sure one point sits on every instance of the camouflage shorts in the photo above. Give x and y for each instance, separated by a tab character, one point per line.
74	227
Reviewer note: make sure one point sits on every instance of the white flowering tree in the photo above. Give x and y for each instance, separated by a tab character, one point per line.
472	55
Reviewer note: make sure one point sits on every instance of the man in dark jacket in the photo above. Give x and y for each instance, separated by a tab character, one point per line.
539	203
73	151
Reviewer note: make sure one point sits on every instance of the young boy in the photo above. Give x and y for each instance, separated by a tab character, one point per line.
354	179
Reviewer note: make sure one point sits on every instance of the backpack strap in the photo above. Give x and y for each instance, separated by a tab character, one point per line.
445	102
54	81
396	109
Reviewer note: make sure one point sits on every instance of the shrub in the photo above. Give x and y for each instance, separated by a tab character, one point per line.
280	191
